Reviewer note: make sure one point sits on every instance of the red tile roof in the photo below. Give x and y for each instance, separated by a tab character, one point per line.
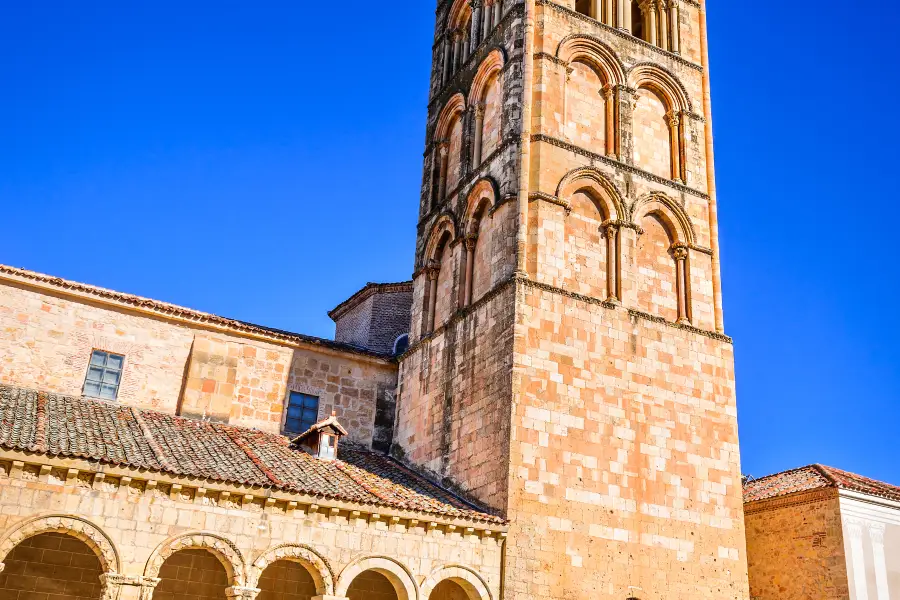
815	477
72	427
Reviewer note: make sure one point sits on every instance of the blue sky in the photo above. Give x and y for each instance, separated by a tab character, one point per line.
262	161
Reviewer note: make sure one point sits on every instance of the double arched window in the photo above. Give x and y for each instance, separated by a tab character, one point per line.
654	21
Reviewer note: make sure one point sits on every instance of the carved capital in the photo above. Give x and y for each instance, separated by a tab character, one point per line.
479	110
876	533
679	252
673	119
471	241
241	593
854	528
608	92
610	229
432	270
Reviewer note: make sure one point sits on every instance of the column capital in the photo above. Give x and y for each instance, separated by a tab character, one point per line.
471	240
479	108
241	593
679	251
610	229
115	579
673	118
854	528
432	270
608	91
876	533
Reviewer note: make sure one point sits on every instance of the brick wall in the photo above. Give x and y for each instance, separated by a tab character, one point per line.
192	575
46	342
795	548
51	566
374	317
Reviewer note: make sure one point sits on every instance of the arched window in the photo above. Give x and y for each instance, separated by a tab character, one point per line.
586	7
637	21
401	344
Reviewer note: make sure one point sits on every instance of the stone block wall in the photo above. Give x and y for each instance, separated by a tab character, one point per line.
625	469
166	528
795	547
46	340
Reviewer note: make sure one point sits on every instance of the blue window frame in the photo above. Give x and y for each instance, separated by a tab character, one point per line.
104	375
302	412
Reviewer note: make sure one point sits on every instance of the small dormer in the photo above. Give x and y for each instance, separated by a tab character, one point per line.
321	440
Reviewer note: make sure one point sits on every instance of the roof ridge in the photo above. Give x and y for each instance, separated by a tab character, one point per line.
824	472
40	423
780	473
234	436
151	441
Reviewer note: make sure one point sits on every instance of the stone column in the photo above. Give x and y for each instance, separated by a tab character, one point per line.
650	20
680	253
609	95
448	45
479	132
625	109
474	37
486	24
876	534
854	528
241	593
128	587
443	162
623	15
674	122
457	50
471	242
663	25
682	147
611	230
432	271
498	11
675	27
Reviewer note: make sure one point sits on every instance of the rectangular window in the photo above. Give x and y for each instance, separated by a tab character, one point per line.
104	375
302	412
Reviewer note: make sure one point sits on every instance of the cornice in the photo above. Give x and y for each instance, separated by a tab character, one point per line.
36	467
617	32
147	307
366	292
539	137
797	499
517	278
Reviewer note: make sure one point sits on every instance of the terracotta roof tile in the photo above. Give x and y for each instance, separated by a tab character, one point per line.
815	477
97	430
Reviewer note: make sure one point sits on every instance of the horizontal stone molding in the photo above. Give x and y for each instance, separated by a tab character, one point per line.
187	491
619	33
539	137
796	499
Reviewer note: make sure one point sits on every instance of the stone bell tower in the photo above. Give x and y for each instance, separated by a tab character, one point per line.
568	364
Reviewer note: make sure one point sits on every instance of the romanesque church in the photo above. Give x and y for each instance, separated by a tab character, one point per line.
546	411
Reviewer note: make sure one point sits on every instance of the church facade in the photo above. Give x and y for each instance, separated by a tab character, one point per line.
546	411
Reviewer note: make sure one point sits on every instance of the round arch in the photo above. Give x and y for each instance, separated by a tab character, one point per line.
444	226
467	579
458	15
490	67
227	553
483	195
76	527
601	188
590	50
655	78
455	106
399	576
314	563
668	210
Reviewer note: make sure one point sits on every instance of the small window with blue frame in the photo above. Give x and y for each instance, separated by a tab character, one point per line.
302	412
104	375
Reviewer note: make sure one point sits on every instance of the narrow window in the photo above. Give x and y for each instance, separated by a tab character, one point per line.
584	7
401	344
637	20
302	413
104	375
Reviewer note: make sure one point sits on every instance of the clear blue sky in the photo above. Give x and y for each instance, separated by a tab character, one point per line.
262	161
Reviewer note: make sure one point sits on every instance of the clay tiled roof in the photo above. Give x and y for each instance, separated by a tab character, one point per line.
126	436
816	477
166	309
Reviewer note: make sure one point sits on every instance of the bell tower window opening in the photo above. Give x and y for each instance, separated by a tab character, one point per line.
637	20
586	7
